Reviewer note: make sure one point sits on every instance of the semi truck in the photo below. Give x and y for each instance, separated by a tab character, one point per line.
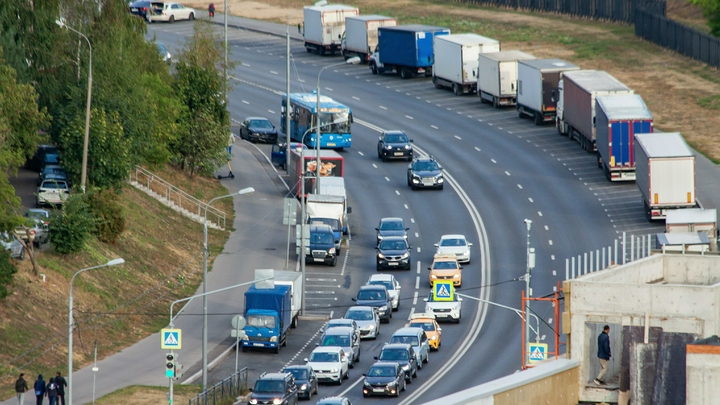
498	75
405	49
268	316
332	164
538	87
665	173
617	120
577	91
323	27
456	60
361	35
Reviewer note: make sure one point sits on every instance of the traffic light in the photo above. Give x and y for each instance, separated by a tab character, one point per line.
170	365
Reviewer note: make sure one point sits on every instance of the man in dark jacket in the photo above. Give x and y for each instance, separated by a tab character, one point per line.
603	354
39	388
20	388
61	384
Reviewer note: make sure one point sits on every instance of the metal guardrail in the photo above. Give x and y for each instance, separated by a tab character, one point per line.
177	196
230	387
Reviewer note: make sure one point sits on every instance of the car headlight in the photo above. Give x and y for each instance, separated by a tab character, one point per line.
370	327
405	236
439	179
381	256
331	251
277	401
273	339
334	370
405	255
406	367
407	146
456	276
434	337
252	401
303	387
246	337
432	276
384	308
380	237
367	384
388	147
466	253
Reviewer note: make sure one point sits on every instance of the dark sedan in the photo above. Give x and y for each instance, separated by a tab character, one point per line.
376	296
393	252
384	378
391	227
140	9
258	129
425	172
305	380
394	145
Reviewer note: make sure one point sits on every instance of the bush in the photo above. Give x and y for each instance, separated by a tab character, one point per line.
7	269
108	213
73	227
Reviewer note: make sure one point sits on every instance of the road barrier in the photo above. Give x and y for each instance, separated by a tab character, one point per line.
230	387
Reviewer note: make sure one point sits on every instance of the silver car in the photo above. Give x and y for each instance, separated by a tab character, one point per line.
367	321
345	338
12	245
341	322
392	285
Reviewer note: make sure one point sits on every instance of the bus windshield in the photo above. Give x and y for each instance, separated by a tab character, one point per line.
327	126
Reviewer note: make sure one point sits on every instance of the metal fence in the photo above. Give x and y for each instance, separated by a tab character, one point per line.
612	10
677	37
229	388
625	250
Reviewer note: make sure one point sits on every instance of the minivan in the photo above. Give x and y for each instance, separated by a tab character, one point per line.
321	247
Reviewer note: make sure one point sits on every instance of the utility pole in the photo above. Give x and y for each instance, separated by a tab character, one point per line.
530	261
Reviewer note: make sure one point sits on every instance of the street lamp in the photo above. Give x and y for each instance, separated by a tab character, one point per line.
530	264
247	190
351	61
113	262
83	172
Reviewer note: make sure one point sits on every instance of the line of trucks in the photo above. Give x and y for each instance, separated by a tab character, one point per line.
590	106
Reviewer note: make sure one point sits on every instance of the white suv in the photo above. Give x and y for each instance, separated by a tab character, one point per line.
329	364
52	192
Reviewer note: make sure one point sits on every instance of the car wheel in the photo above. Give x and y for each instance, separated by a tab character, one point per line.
405	73
409	378
373	68
334	261
420	365
172	19
22	254
427	357
414	374
351	365
244	349
347	375
441	187
192	16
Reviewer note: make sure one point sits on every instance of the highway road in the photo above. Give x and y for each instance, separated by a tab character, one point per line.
503	168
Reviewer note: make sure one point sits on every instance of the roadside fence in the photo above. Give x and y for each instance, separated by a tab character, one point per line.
625	250
229	388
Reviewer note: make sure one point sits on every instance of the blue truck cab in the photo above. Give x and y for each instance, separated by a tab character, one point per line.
322	245
268	315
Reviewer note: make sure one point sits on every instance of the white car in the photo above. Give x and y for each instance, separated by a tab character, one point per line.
52	192
392	285
366	319
12	245
329	364
450	310
454	245
170	12
341	322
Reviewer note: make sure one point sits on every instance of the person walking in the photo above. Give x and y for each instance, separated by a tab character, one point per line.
603	354
211	10
61	384
39	388
51	391
20	388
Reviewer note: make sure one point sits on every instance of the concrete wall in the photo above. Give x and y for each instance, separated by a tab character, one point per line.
703	374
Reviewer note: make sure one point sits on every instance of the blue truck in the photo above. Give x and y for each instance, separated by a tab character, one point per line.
268	315
405	49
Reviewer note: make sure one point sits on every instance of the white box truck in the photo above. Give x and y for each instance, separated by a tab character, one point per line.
693	220
361	35
538	87
333	186
324	25
456	60
295	281
665	173
497	76
330	210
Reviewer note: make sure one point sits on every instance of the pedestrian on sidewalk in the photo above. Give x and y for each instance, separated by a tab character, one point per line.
61	384
20	388
51	391
39	388
603	354
211	10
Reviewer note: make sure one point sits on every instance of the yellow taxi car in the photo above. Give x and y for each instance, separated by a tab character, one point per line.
445	268
432	330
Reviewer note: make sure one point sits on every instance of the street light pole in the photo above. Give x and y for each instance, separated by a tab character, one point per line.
247	190
113	262
528	267
83	172
225	67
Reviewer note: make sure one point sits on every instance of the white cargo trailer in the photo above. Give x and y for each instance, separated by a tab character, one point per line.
361	35
538	87
665	173
295	281
693	220
456	60
324	25
497	76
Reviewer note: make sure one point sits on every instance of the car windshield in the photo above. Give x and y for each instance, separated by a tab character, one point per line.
53	184
393	354
324	357
371	295
260	124
321	238
396	138
425	166
452	242
387	283
428	326
37	214
261	321
412	340
392	226
299	373
334	223
269	386
381	372
445	265
393	245
359	315
334	340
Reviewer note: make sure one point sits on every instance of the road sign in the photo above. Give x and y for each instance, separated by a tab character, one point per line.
538	352
171	339
443	291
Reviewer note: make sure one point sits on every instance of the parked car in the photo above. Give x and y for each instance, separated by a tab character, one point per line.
393	252
305	380
375	296
392	285
12	245
384	378
432	330
425	172
52	193
394	145
140	9
391	226
258	129
454	245
278	153
329	364
274	388
367	320
55	170
416	338
401	353
344	338
39	227
44	155
170	12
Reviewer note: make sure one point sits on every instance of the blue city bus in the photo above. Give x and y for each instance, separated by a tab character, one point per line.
333	134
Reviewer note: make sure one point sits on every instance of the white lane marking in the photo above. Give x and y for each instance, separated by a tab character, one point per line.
412	220
554	273
386	177
433	127
547	228
409	117
457	137
519	186
384	108
271	112
552	257
493	160
273	72
342	394
329	89
417	235
507	172
406	206
301	80
396	192
245	102
417	282
540	213
355	98
477	149
415	297
530	199
418	249
360	153
550	242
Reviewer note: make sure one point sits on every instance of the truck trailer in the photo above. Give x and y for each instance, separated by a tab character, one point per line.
538	87
361	35
294	280
617	120
324	26
405	49
577	91
268	313
332	164
665	173
331	207
498	75
456	60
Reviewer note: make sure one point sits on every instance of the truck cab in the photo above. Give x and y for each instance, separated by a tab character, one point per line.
322	245
268	316
334	223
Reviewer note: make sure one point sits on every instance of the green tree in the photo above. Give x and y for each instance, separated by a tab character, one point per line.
73	227
202	149
7	270
711	11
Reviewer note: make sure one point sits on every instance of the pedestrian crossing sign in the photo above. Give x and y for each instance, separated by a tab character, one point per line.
538	352
443	291
171	339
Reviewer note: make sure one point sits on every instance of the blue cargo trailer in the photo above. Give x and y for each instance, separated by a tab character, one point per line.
268	313
617	120
405	49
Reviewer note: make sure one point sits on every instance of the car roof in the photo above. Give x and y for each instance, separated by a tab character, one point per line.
340	330
297	366
408	331
405	346
373	287
394	238
391	219
361	308
327	349
422	315
381	277
444	257
394	132
424	159
273	376
38	210
339	320
382	363
452	236
256	118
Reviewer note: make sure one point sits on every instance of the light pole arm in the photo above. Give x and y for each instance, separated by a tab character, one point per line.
517	311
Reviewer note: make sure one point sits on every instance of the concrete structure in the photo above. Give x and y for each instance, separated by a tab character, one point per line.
655	306
703	371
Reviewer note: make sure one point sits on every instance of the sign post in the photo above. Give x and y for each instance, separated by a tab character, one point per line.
289	219
538	352
171	339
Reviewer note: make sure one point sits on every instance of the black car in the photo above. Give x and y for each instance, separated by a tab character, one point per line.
45	155
258	129
393	252
425	172
394	145
401	353
391	227
384	378
274	388
140	9
375	296
321	248
52	172
305	380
